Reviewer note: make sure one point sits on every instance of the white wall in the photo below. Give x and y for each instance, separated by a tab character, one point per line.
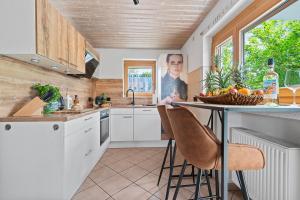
198	45
111	60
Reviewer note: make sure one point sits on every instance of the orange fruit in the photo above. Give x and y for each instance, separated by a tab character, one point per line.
244	91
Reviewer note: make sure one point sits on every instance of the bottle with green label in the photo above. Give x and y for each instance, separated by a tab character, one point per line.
271	84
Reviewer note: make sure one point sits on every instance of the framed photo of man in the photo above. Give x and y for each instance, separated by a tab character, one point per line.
173	78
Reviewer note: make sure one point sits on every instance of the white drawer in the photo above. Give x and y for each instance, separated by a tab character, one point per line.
82	123
121	111
145	111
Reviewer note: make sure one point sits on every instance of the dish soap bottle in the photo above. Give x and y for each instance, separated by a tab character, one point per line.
271	85
68	101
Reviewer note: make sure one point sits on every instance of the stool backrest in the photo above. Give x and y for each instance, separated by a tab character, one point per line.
162	109
197	145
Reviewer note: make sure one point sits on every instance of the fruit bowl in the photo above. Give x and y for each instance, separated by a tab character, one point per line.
232	99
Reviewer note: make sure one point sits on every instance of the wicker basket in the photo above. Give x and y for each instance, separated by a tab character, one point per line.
232	99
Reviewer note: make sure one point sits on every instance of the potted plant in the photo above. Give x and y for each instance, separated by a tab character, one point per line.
49	94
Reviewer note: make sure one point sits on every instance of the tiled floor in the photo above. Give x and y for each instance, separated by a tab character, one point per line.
132	174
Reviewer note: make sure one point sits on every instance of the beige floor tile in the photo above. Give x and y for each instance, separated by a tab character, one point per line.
121	165
98	165
153	197
133	192
150	165
102	174
160	158
108	160
114	184
165	173
182	195
134	173
119	168
136	158
147	153
86	184
149	183
93	193
121	156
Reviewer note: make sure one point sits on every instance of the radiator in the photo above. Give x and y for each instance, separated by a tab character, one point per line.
280	179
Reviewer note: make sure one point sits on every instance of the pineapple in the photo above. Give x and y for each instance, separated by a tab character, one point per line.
209	82
223	78
238	78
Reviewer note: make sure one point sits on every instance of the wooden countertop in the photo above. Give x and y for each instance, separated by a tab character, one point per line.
131	106
55	117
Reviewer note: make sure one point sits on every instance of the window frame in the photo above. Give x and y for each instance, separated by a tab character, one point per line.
264	17
151	64
255	11
218	48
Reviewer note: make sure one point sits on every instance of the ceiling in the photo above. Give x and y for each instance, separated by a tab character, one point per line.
153	24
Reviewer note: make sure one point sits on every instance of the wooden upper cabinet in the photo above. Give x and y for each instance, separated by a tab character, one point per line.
76	50
40	35
47	30
57	39
63	50
81	53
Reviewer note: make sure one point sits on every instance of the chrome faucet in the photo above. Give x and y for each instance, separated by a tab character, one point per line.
133	101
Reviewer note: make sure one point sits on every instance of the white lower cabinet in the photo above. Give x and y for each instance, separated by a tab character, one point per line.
147	128
47	160
121	128
135	124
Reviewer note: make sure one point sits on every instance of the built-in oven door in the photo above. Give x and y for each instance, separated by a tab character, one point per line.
104	132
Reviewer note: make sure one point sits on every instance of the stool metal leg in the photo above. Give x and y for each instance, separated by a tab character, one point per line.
179	180
193	173
208	183
172	160
217	183
241	178
164	161
198	183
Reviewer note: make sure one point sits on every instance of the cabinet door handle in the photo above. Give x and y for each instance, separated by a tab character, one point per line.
89	152
146	110
7	127
127	117
86	131
87	119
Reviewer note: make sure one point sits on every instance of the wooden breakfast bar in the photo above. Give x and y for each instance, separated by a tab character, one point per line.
222	112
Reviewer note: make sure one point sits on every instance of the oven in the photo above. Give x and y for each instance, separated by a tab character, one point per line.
104	125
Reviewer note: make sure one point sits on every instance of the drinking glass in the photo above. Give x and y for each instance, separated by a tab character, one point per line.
292	80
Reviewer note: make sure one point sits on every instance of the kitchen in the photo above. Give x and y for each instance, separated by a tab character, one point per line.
80	83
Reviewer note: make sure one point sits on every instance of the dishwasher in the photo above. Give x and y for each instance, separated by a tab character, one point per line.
104	126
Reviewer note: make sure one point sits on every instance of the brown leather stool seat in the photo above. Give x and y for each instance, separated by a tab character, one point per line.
201	148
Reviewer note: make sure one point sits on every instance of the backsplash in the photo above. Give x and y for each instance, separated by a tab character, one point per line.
114	89
16	79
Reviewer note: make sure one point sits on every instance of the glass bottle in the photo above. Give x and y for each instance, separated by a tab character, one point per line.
271	84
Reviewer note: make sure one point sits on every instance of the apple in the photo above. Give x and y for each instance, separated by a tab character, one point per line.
259	92
202	94
233	91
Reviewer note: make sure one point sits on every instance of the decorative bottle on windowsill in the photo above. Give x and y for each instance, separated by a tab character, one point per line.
271	85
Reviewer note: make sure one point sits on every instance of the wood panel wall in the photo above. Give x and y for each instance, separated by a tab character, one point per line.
114	89
16	79
194	83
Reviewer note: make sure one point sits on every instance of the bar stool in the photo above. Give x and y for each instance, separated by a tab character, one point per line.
168	130
203	150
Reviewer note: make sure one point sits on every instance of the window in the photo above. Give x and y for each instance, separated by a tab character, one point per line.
224	54
140	76
276	36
